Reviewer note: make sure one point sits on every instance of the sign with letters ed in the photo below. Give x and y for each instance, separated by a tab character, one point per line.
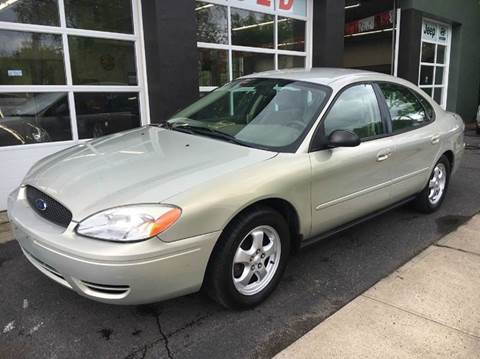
288	7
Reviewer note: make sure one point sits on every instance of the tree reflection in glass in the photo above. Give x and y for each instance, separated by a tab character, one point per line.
28	58
251	28
38	12
291	34
212	23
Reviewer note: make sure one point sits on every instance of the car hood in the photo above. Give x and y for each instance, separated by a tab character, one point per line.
146	165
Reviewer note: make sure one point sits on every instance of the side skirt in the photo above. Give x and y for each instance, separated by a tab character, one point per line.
343	227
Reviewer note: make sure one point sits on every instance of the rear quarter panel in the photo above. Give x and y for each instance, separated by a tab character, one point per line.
451	127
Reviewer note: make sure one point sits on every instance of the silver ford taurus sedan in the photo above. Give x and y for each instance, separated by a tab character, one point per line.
221	194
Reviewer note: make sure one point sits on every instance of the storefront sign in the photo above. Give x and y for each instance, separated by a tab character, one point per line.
380	21
289	7
442	34
367	24
260	4
435	32
292	7
429	31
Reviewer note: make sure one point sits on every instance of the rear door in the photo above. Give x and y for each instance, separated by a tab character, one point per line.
415	141
351	182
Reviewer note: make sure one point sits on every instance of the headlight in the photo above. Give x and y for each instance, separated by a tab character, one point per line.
129	223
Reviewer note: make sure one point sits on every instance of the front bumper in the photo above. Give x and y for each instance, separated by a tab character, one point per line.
117	273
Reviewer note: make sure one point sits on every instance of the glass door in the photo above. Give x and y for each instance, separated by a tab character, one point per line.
435	60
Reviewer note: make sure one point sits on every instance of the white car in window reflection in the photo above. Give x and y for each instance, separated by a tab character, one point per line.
39	119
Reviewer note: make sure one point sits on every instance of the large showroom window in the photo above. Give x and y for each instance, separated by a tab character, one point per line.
240	37
434	60
70	70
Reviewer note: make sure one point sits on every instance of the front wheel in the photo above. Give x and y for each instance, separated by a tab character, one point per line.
249	259
431	198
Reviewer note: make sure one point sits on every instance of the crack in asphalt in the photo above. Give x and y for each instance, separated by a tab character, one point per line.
190	324
154	312
164	336
144	353
143	349
454	249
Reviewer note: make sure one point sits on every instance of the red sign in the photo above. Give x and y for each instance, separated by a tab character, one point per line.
285	4
380	21
267	3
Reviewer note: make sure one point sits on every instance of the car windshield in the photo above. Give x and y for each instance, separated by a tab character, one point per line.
272	114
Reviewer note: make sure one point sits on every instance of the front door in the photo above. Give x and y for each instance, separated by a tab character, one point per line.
348	183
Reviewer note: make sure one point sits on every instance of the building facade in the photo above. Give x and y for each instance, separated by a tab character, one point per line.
72	70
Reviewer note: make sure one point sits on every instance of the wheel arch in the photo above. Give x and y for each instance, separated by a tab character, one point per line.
450	156
284	207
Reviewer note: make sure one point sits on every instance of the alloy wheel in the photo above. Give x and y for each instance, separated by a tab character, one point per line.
437	184
256	260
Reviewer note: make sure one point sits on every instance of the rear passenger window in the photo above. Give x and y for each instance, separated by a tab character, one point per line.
405	109
356	110
428	107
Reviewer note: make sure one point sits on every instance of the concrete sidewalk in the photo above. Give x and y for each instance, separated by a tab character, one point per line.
429	308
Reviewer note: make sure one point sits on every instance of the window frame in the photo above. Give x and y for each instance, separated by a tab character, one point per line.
230	48
445	66
137	38
417	97
319	132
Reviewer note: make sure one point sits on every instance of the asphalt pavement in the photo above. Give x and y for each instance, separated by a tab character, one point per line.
41	319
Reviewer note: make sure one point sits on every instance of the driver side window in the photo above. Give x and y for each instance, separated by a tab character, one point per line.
356	110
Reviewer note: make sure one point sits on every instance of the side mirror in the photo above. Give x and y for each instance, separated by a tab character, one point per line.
343	138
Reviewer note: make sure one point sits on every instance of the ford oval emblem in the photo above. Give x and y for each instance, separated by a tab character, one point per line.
40	204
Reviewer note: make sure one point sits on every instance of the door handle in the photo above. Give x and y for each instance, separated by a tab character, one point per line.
381	158
435	139
384	155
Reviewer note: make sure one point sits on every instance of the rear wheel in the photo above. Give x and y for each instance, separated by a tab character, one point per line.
431	198
249	259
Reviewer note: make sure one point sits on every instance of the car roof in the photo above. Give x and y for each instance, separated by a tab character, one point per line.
324	75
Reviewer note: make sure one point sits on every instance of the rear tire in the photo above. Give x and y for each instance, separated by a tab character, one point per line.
249	259
432	196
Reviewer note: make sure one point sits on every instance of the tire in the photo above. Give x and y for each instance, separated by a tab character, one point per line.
223	277
478	129
426	201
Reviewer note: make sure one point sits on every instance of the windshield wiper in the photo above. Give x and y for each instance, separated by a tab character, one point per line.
161	124
187	128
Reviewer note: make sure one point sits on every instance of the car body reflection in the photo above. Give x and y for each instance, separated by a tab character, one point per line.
45	117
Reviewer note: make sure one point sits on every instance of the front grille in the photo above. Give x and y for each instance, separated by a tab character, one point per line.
48	208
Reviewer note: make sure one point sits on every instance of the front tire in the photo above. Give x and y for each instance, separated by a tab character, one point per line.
432	196
249	259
